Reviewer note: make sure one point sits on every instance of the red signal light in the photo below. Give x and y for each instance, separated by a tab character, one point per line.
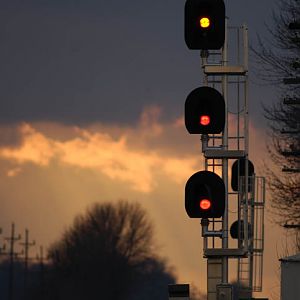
204	120
205	204
205	195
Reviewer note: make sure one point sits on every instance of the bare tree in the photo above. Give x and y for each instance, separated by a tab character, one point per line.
278	62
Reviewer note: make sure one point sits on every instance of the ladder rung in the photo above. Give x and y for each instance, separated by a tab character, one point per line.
224	70
218	153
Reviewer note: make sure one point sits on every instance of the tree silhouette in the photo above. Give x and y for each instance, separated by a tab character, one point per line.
279	65
108	253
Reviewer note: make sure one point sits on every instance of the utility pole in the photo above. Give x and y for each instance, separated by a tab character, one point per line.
26	245
3	247
40	257
12	239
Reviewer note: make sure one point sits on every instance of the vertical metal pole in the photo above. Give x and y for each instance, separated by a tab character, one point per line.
263	192
26	245
225	161
12	239
204	55
11	264
246	134
246	46
42	279
26	262
251	238
238	91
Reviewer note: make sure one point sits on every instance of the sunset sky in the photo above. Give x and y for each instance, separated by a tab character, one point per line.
91	110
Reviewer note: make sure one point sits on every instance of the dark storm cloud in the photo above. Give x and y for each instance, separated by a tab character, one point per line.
86	61
10	135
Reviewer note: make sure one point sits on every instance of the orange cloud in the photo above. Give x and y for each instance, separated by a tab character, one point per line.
112	156
35	148
134	155
13	172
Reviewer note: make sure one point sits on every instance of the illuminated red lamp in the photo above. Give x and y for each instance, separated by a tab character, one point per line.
204	111
205	195
204	120
205	204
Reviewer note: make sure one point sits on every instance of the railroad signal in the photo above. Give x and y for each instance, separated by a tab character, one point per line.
238	170
205	195
204	111
237	230
204	24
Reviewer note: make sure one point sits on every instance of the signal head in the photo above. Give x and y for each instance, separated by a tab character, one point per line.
237	230
205	195
204	24
204	111
238	170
